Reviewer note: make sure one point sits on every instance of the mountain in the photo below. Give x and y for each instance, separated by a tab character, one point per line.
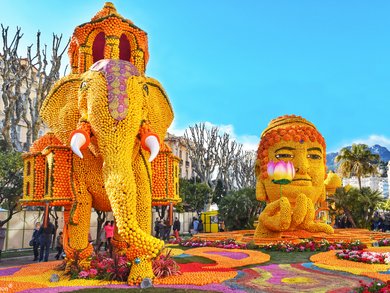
383	152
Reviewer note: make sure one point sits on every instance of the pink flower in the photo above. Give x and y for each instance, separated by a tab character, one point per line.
83	275
281	172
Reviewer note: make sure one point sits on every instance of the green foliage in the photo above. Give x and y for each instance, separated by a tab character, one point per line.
11	181
219	192
385	205
194	195
357	161
239	209
358	205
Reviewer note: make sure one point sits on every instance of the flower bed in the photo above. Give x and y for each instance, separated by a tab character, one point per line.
373	287
118	268
384	242
328	260
365	256
311	245
227	244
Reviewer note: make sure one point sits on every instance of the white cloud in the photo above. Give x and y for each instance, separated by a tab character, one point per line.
249	142
176	131
370	141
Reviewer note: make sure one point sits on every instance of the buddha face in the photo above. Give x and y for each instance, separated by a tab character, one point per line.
308	160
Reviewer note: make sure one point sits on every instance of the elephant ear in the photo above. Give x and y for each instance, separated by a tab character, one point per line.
160	114
59	110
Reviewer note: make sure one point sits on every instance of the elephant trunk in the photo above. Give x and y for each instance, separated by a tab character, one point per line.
127	183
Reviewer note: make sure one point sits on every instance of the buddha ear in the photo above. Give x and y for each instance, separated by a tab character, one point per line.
60	108
261	194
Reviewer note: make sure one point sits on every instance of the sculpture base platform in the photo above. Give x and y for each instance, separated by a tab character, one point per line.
347	235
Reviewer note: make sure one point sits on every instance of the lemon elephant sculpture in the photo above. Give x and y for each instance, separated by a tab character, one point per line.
113	119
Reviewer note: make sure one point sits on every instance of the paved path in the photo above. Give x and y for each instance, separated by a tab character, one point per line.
21	260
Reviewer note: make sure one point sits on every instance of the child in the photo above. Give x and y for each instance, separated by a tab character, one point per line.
60	245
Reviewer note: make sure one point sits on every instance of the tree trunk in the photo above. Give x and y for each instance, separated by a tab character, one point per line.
100	220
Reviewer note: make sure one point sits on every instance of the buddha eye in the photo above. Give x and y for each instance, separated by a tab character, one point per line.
314	157
284	156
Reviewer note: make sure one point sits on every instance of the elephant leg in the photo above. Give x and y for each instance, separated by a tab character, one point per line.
275	218
121	189
78	247
308	223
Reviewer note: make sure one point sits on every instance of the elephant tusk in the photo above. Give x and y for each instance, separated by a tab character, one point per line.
77	141
154	146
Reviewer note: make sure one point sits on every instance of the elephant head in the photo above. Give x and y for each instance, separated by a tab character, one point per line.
110	93
119	111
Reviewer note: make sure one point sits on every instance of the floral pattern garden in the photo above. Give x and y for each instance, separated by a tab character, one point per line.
227	265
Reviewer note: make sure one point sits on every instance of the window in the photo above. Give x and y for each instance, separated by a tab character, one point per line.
98	47
28	168
28	189
180	154
124	48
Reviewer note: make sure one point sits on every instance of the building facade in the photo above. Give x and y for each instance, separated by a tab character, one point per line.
179	149
375	183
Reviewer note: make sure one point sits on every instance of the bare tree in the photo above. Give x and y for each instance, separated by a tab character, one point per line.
25	84
202	144
244	170
216	157
228	154
101	218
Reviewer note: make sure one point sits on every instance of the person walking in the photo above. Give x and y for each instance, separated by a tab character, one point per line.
102	239
157	227
176	228
200	226
60	245
45	239
35	240
167	229
196	224
161	229
109	229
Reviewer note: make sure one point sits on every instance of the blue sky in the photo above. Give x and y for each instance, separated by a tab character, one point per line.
238	64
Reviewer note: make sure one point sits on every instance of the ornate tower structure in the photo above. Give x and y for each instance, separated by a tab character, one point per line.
108	36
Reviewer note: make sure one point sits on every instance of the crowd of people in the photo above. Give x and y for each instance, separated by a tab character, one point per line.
42	239
381	221
163	228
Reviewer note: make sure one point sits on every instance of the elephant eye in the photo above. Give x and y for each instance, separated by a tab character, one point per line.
146	89
83	85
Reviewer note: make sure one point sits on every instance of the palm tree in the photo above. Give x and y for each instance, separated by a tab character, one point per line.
341	203
358	205
357	161
369	201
